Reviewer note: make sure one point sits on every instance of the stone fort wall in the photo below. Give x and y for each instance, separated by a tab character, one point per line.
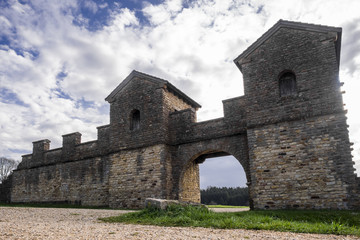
288	131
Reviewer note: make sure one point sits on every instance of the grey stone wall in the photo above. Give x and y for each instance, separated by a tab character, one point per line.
146	97
138	174
301	164
82	182
155	102
312	57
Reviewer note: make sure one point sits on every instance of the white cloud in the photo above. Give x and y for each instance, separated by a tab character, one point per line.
103	5
91	6
156	14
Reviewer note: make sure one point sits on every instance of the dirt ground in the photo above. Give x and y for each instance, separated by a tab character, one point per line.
49	223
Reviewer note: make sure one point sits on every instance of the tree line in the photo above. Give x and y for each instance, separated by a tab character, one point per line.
238	196
6	167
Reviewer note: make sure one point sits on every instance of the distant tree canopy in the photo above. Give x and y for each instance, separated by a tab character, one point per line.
238	196
6	167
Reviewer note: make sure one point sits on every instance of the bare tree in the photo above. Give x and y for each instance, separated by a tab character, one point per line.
6	167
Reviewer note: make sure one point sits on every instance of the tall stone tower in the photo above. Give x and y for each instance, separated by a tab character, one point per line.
299	149
137	138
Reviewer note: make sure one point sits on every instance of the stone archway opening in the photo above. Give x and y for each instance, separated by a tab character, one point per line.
222	172
191	180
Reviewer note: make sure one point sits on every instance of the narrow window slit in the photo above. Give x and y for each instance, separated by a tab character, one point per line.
287	84
135	120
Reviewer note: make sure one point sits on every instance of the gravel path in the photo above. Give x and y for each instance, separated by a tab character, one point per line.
229	209
49	223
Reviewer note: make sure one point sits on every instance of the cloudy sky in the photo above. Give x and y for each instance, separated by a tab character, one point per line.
60	59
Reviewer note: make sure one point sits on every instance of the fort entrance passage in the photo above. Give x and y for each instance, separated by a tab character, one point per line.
190	156
189	183
288	131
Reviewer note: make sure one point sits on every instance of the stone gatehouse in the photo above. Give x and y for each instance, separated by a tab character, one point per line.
288	131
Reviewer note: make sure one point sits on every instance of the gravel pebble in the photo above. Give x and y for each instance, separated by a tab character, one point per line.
51	223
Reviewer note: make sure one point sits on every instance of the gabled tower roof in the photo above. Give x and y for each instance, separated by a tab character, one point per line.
159	81
293	25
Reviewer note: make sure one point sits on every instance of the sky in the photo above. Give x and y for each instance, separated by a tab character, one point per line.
60	59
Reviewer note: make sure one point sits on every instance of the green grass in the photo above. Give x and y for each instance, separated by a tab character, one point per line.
225	206
300	221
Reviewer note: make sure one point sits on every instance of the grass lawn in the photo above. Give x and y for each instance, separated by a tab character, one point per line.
302	221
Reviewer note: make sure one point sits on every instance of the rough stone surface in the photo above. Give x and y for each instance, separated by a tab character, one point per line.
290	137
160	203
164	203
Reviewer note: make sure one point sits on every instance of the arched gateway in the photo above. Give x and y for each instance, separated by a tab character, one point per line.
288	132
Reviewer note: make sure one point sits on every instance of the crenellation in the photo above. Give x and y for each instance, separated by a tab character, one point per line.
235	108
69	144
103	132
39	148
71	139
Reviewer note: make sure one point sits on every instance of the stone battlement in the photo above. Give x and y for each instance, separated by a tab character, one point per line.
72	150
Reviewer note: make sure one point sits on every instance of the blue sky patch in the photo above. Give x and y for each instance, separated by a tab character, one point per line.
7	96
58	91
259	10
61	94
85	104
20	151
94	15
